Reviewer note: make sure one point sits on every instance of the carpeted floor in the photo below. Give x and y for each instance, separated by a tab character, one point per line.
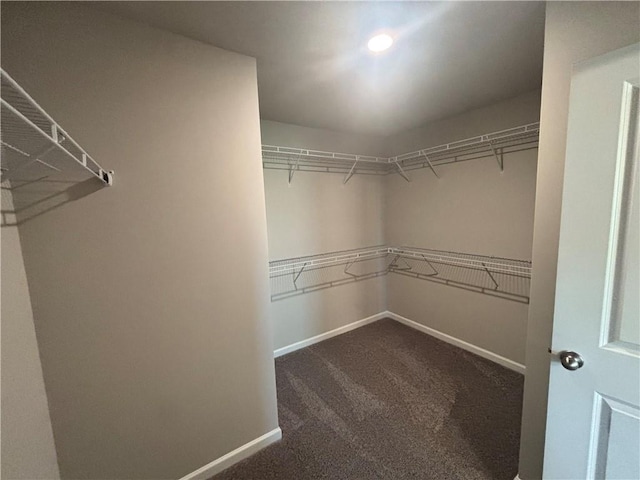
387	402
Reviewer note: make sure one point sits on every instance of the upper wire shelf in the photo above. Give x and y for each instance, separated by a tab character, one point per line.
495	144
35	148
299	159
490	145
501	277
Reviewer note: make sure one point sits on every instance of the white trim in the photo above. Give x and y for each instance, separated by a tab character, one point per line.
494	357
240	453
332	333
505	362
517	477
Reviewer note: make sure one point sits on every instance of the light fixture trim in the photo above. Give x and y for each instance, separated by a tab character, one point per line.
380	42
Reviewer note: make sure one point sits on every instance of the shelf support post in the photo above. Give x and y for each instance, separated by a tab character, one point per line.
295	279
435	272
292	169
352	171
394	264
430	165
401	171
499	158
490	276
347	267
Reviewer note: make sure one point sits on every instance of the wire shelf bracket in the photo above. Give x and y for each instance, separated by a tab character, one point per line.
499	158
351	172
431	165
402	172
293	169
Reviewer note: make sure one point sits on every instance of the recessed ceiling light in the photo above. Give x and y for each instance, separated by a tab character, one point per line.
380	42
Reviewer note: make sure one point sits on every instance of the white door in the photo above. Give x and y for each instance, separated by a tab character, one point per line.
593	424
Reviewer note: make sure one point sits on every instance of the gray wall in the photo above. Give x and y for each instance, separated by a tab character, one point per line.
28	451
472	208
510	113
575	31
285	134
150	298
317	213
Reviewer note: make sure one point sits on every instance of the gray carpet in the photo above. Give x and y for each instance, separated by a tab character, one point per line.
388	402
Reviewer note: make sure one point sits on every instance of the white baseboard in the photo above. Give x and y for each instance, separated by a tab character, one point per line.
325	336
494	357
240	453
505	362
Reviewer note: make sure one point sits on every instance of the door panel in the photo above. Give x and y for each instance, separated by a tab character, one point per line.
624	327
593	430
616	440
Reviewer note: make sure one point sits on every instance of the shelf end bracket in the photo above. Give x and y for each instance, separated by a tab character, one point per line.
106	176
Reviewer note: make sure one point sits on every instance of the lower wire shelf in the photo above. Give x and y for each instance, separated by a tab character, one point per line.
299	275
496	276
501	277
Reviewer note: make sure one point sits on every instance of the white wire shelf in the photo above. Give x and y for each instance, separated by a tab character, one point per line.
299	275
34	148
501	277
298	159
495	144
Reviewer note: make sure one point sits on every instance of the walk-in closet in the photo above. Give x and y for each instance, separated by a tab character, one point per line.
319	240
416	231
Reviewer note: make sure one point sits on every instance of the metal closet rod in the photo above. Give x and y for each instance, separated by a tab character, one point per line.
494	144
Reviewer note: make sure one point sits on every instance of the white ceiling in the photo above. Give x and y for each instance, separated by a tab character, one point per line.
314	68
